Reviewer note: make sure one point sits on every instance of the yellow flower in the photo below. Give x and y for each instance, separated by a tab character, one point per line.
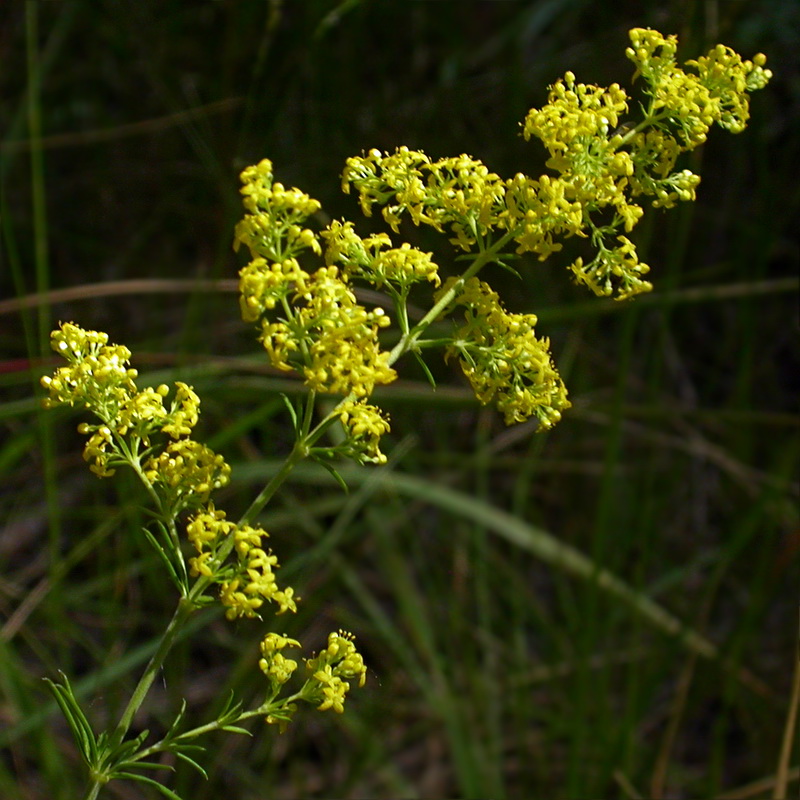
188	471
332	669
273	228
365	424
97	376
273	663
504	361
330	338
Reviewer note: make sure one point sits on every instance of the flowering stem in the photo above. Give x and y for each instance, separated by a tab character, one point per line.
651	117
299	452
265	709
408	340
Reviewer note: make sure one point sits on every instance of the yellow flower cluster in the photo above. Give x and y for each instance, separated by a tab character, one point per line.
614	269
273	228
185	410
504	361
458	192
365	424
273	663
718	93
345	355
247	579
603	165
365	258
329	337
600	165
331	670
97	375
330	674
98	378
324	333
264	285
576	120
188	472
538	210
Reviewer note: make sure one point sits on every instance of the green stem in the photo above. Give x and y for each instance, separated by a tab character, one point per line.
408	340
94	790
265	709
299	452
651	117
179	618
134	461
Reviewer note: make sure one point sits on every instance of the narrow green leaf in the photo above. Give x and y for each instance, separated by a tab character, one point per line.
229	706
143	765
76	719
144	779
508	267
232	713
236	729
173	729
290	409
336	476
191	762
124	750
180	746
421	361
165	558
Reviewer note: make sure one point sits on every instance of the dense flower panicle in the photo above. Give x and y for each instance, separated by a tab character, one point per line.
604	166
378	177
273	663
575	126
331	670
97	376
458	192
365	424
273	228
330	338
310	323
367	259
99	379
718	93
264	285
188	471
614	271
600	165
184	413
539	210
504	361
576	120
245	573
404	265
143	412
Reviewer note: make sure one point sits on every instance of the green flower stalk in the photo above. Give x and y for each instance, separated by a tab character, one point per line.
301	291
